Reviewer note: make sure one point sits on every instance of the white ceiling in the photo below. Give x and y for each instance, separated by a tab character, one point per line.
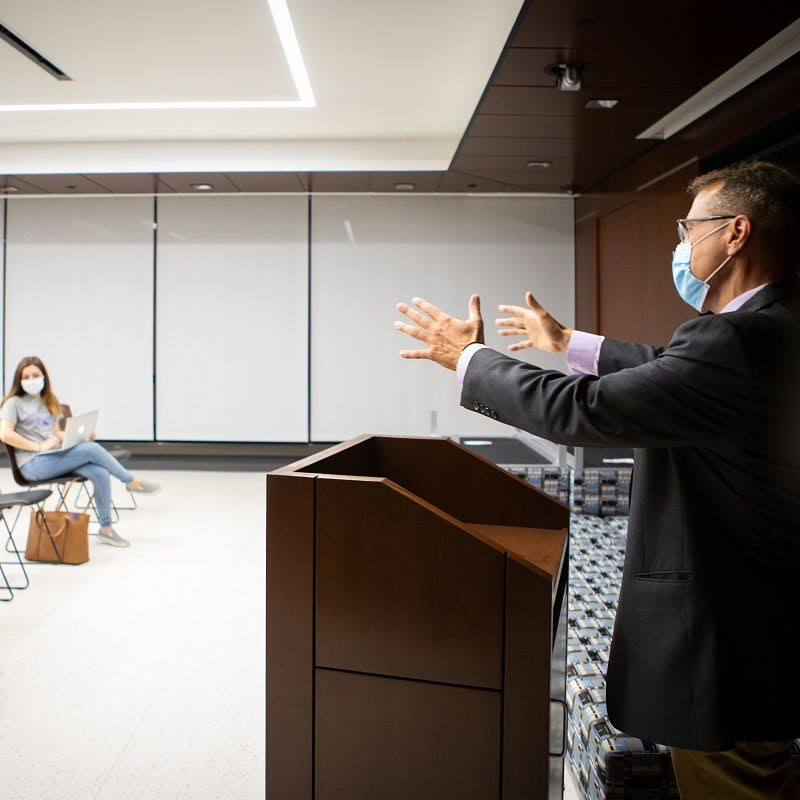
395	83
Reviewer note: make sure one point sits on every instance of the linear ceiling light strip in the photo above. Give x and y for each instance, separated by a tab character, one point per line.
34	55
291	49
294	59
778	49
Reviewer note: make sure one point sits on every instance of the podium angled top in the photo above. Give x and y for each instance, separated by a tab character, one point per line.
444	474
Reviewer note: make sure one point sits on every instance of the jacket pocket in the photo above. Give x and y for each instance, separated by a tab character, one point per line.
661	590
678	575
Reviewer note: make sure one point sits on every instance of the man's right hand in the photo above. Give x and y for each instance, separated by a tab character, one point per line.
536	324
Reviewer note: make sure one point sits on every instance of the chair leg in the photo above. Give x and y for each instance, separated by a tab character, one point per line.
6	588
16	517
90	503
17	562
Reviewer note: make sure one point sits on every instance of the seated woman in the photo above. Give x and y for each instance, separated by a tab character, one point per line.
29	423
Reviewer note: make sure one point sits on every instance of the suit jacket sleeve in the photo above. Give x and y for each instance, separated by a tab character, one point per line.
616	355
693	393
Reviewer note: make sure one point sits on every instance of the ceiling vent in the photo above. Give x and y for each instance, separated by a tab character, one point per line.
35	56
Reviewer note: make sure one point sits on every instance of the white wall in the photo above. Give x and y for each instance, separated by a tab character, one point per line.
228	277
79	294
232	319
368	253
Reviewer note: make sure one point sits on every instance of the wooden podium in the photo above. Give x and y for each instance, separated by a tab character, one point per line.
416	619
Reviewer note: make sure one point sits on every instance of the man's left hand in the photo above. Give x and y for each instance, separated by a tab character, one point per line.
444	336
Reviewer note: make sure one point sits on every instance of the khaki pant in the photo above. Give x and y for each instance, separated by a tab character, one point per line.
751	771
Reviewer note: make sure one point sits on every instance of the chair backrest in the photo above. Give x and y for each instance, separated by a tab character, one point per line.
66	413
15	471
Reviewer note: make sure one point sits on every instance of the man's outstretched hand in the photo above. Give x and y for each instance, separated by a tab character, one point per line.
536	324
444	336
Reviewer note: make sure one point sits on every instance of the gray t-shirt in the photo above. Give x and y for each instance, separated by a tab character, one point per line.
31	419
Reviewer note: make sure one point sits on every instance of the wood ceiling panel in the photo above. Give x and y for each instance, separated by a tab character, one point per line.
64	184
544	181
583	23
519	126
590	126
338	182
130	183
423	181
515	146
24	187
718	37
182	181
525	66
455	181
537	101
268	181
544	149
511	163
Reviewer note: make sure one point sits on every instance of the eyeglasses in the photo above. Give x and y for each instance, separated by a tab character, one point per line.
683	231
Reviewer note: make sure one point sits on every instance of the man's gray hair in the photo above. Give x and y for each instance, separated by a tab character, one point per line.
769	195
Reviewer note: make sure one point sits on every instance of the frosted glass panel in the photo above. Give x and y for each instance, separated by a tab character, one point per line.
79	294
368	253
2	282
232	319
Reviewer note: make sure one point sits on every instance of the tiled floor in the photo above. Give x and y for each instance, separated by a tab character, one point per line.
141	674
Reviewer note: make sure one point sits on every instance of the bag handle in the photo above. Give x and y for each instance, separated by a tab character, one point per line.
43	523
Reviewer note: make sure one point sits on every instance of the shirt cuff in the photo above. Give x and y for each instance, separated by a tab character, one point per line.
465	358
583	353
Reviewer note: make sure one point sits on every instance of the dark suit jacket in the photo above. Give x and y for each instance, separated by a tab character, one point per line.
706	648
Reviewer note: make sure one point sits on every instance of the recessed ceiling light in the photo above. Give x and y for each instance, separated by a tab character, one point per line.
202	187
9	189
539	164
404	187
604	104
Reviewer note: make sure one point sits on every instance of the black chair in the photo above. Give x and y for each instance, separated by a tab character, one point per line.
60	483
17	500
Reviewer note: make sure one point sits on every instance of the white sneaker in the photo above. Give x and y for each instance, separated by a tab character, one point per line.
112	538
146	487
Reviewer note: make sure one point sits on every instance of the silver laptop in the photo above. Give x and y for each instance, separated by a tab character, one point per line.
78	429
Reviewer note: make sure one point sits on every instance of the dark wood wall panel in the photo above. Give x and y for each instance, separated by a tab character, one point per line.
659	206
626	271
586	272
619	276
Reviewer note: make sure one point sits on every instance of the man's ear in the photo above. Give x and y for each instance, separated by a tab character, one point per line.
740	231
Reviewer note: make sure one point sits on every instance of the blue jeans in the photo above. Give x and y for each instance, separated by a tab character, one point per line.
89	460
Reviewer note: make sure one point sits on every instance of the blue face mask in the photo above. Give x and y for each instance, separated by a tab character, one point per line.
691	289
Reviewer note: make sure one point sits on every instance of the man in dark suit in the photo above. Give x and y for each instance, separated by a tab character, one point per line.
705	645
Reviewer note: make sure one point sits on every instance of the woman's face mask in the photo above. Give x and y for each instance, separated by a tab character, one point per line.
32	386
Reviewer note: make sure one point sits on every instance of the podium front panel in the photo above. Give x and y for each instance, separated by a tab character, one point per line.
402	591
404	740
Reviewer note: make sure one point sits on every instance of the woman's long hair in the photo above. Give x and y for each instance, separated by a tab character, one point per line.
16	390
